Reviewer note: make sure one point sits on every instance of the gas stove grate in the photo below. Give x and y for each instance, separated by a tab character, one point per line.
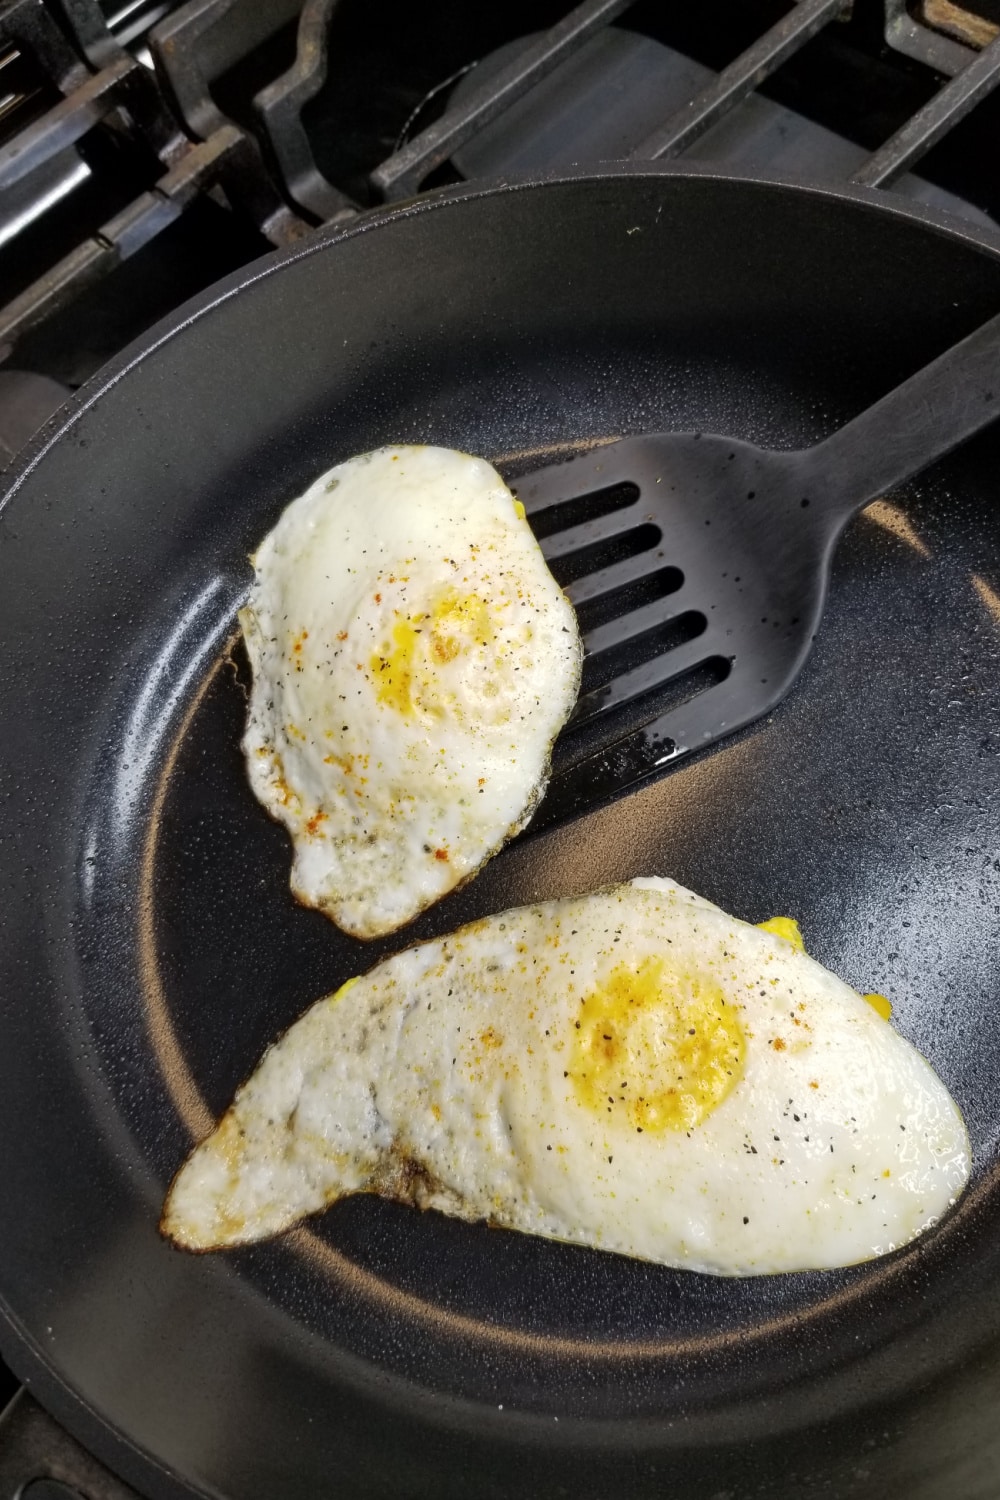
156	90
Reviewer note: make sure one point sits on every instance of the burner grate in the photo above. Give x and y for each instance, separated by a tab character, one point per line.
152	76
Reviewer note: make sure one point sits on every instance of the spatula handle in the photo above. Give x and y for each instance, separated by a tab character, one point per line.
934	411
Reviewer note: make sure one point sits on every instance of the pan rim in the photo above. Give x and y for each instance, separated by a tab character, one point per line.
939	221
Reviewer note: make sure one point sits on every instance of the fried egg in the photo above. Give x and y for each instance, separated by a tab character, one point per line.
413	660
632	1070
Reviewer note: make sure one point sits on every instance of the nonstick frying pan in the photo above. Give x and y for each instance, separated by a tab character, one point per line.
151	949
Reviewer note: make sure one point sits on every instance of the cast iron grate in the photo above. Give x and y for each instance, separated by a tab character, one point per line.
163	95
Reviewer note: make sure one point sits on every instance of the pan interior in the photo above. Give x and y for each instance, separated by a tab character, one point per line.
866	805
858	807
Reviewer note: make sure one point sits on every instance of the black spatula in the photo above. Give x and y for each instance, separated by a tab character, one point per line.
698	565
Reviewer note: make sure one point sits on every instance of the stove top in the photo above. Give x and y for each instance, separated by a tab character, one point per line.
148	149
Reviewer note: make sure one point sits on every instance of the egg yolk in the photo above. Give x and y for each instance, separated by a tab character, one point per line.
659	1049
393	667
404	667
459	621
784	927
788	928
348	984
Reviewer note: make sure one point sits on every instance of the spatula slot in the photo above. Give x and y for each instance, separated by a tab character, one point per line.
603	554
584	738
550	517
646	589
602	668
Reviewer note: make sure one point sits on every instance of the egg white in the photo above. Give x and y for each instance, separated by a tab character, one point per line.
801	1132
413	660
